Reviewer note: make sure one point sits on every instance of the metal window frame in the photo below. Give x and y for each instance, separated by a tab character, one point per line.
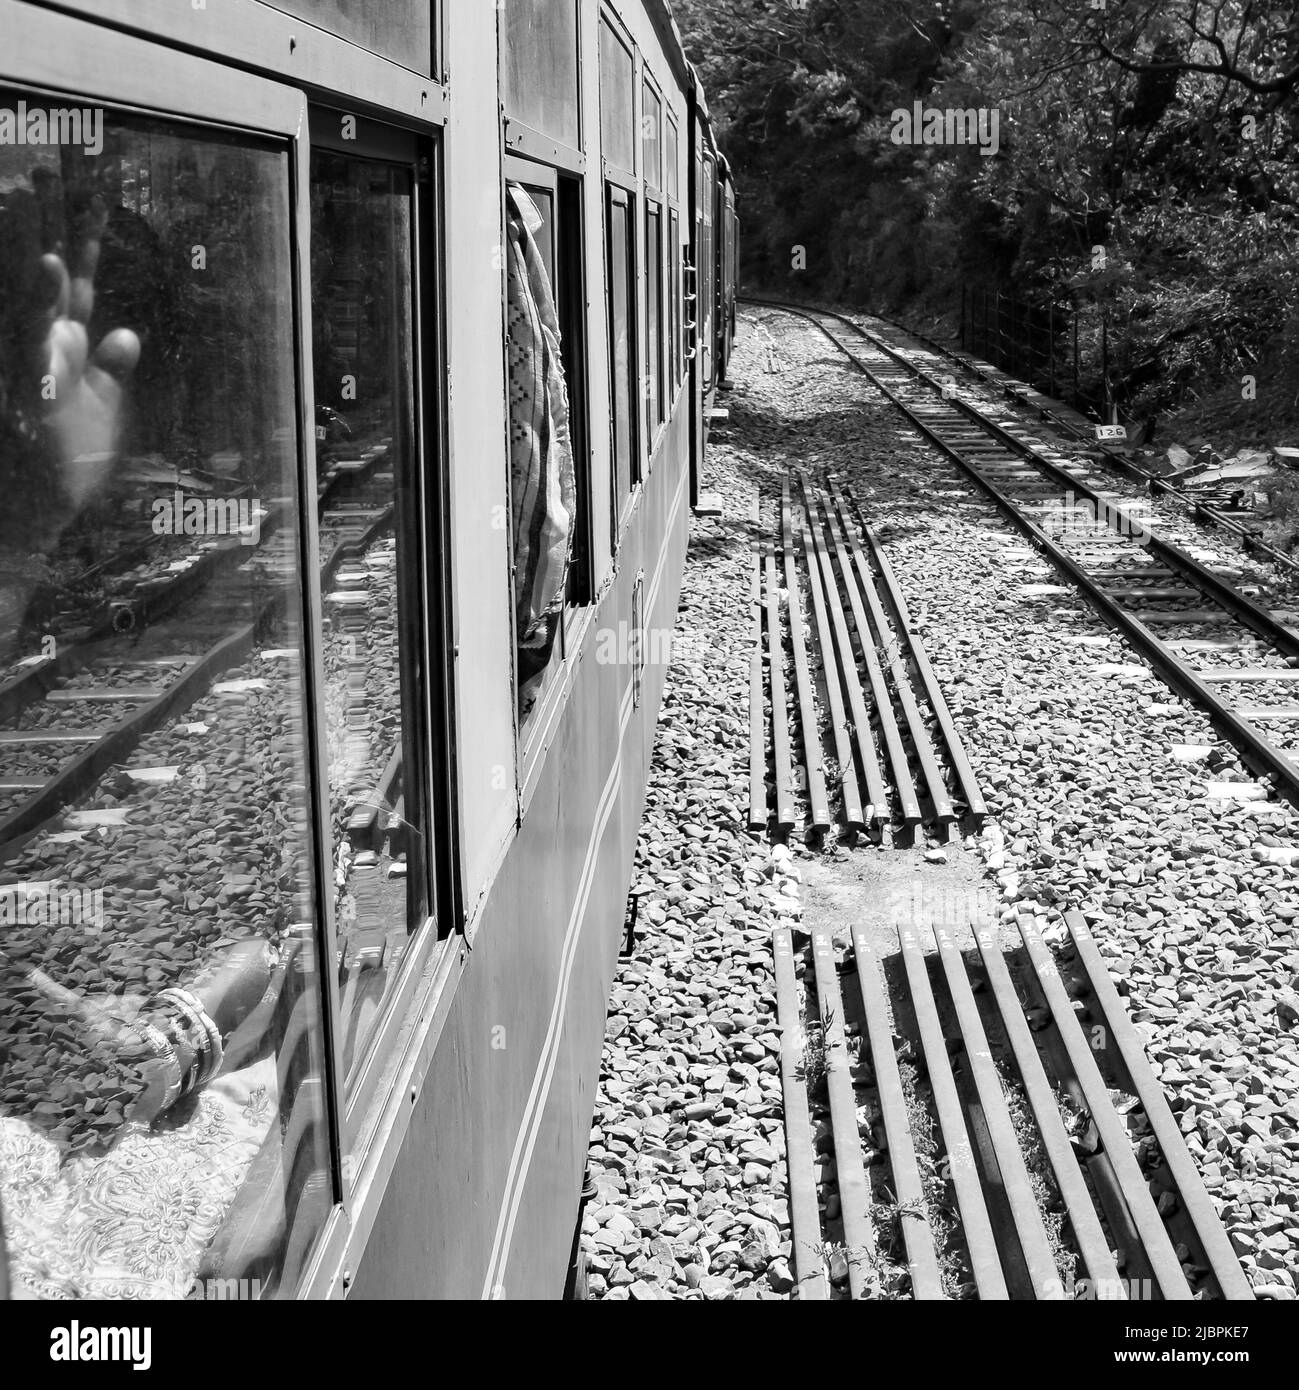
626	177
70	57
655	356
531	749
260	39
615	191
648	86
401	148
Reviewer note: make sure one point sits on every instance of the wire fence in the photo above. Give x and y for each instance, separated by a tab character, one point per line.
1035	343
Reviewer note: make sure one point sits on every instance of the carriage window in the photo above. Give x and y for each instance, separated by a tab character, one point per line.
365	454
654	393
162	1118
651	142
621	253
617	100
540	66
401	30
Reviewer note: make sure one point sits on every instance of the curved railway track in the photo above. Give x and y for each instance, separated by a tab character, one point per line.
1210	640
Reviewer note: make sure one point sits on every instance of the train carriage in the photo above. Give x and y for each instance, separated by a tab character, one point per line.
355	364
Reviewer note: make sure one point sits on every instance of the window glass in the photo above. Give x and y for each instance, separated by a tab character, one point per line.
543	488
622	294
671	156
401	30
540	62
707	268
653	319
651	138
361	258
617	100
674	294
162	1116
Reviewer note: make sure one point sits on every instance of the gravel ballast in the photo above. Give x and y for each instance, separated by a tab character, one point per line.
1108	794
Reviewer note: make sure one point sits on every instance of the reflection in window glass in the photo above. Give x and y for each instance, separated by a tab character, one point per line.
651	144
362	357
539	46
543	495
161	1112
653	392
671	152
617	100
622	295
674	299
401	30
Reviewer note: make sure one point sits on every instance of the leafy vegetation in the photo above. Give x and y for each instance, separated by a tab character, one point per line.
1145	174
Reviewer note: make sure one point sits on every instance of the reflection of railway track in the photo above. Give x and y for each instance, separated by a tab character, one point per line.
1200	632
1000	1090
230	596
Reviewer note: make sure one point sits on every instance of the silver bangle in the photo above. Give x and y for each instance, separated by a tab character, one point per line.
210	1052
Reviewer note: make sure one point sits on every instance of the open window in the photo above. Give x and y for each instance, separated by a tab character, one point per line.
549	484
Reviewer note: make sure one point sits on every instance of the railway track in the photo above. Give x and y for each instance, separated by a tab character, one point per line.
1207	637
933	362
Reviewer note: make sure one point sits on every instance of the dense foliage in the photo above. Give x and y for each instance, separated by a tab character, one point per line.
1146	169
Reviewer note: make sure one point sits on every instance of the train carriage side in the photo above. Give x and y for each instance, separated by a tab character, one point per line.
424	302
728	266
703	279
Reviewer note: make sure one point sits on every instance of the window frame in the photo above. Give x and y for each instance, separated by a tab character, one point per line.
380	143
620	513
71	58
568	193
68	56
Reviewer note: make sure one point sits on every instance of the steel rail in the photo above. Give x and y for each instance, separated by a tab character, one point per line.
1195	1199
985	1263
813	761
892	654
1154	1238
1201	511
757	743
1092	1242
805	1238
1251	614
892	734
1034	1243
779	704
853	814
925	673
845	669
854	1189
908	1187
1266	757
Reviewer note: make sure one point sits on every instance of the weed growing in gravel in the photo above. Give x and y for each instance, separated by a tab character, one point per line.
813	1065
